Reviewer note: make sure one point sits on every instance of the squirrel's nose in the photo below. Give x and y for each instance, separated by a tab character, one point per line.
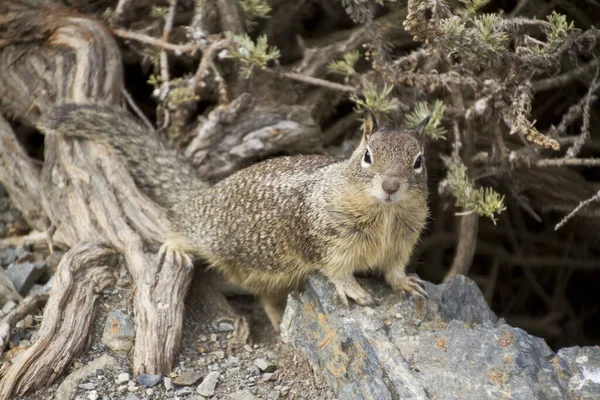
390	185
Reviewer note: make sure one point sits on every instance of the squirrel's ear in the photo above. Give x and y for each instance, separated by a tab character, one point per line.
370	123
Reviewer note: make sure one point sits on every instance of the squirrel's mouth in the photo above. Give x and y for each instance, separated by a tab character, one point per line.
387	198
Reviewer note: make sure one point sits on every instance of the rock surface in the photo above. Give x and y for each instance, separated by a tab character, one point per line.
451	346
25	274
119	331
67	387
207	387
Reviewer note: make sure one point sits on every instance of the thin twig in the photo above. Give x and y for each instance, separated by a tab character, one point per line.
584	203
164	58
142	38
569	162
519	8
574	150
136	109
121	11
561	80
27	306
311	80
207	63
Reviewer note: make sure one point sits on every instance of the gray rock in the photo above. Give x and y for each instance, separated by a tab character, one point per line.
87	386
8	293
223	326
122	378
168	384
7	256
208	385
241	395
578	370
148	380
449	347
23	249
25	275
132	396
93	395
187	378
8	307
67	387
119	331
264	365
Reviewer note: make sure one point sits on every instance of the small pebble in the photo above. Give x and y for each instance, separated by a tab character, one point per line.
93	395
99	372
168	382
254	370
219	354
273	395
87	386
132	396
241	395
224	327
269	376
207	387
149	392
148	380
187	378
122	378
264	365
213	337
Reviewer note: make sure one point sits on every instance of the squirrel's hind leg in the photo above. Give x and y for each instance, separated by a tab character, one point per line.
274	306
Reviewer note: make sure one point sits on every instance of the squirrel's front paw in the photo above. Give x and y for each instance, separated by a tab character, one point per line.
349	288
168	254
410	285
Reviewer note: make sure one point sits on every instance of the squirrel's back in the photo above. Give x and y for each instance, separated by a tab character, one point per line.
159	170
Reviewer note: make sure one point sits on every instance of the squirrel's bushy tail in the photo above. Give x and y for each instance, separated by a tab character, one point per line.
159	170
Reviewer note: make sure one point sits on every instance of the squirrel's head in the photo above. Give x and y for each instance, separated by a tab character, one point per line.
389	164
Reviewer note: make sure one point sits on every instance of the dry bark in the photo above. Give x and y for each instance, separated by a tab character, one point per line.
85	191
82	275
21	178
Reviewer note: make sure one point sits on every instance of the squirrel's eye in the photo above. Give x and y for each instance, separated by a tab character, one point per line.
418	162
367	157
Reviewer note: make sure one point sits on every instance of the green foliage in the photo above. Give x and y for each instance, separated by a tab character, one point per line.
477	39
434	128
182	94
345	66
153	80
375	99
471	6
253	10
559	27
159	12
251	54
484	201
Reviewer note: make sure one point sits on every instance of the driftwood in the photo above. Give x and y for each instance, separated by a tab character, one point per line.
87	194
82	275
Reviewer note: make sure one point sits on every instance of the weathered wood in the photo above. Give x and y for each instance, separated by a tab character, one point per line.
21	178
237	134
82	275
85	190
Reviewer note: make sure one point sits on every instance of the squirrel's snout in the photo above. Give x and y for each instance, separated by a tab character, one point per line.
390	185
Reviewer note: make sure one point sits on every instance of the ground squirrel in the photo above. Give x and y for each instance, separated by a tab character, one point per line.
267	227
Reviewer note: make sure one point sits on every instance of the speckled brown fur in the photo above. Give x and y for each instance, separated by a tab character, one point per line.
267	227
